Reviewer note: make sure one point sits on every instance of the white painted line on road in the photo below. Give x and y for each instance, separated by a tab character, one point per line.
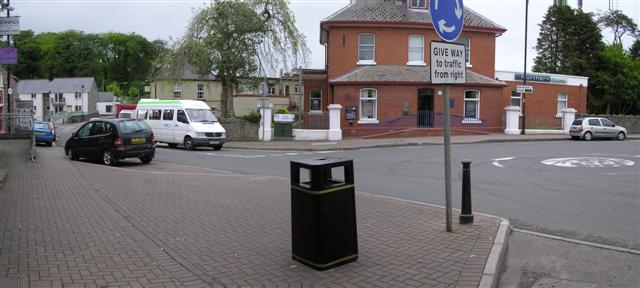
496	162
586	243
590	162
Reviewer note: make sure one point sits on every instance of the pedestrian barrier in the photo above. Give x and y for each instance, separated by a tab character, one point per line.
18	126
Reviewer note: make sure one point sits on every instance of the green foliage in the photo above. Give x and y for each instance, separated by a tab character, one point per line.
253	117
616	86
109	57
115	89
619	23
132	92
569	42
634	51
282	111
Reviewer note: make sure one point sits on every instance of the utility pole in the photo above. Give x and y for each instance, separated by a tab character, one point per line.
8	7
524	95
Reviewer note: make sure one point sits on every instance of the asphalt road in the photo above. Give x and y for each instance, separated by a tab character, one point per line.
599	203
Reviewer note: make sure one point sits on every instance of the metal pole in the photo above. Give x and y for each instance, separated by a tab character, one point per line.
524	95
447	156
466	216
8	66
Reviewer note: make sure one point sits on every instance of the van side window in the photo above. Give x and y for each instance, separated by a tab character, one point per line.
155	114
182	117
142	114
167	114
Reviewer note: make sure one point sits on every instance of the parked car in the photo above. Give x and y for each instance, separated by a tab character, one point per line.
44	132
595	127
111	140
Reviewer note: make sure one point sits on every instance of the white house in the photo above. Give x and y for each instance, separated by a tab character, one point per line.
59	95
106	104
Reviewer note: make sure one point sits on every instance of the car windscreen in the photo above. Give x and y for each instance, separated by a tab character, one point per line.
577	122
43	126
201	115
133	126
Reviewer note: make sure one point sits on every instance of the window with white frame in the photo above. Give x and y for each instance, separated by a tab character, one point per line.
78	108
33	95
59	97
416	50
516	99
78	95
467	47
177	90
471	104
368	105
418	4
366	48
272	90
200	92
562	103
296	89
315	100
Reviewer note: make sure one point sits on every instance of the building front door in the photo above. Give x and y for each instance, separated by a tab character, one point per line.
425	107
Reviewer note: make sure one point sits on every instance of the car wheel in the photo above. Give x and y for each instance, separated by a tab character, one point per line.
188	143
587	136
216	147
172	145
71	155
621	136
108	159
145	160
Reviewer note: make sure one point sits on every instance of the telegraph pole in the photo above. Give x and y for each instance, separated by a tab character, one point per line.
8	66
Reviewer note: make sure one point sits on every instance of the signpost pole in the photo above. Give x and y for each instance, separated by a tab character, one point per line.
8	67
447	156
524	95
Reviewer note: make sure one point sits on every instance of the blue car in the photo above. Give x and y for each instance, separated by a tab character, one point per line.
43	132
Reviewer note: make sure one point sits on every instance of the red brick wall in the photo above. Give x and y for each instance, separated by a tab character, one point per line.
392	48
545	98
392	97
316	84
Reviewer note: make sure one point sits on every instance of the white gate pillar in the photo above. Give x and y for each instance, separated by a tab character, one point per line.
568	115
513	118
266	109
335	133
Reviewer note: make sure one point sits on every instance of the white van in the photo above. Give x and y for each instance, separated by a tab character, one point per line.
187	122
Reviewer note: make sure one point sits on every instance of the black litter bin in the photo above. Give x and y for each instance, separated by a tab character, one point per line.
323	214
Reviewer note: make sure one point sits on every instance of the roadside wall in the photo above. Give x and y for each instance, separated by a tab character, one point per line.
240	130
631	122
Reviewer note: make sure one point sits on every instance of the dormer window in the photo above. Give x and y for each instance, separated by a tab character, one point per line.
418	4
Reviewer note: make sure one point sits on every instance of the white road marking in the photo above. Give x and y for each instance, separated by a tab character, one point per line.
264	155
496	161
576	241
324	143
591	162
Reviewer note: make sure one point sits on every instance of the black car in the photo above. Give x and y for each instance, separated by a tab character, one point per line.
110	140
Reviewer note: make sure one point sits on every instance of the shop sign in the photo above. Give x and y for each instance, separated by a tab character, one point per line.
10	25
8	55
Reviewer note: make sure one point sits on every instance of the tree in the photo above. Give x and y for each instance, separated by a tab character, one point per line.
634	51
29	55
115	89
239	40
619	23
569	42
617	83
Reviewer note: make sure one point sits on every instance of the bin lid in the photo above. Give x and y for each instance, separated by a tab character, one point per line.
322	161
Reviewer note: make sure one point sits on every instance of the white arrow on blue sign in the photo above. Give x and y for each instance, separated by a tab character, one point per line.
447	17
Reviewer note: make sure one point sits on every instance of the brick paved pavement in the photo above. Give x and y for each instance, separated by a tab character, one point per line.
165	225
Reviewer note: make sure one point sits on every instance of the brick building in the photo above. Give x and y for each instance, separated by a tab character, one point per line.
377	67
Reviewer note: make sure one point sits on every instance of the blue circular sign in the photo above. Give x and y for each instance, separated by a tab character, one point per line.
447	17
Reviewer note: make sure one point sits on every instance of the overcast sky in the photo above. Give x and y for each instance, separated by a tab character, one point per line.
162	19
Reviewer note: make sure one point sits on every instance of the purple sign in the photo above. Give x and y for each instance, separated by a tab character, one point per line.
8	55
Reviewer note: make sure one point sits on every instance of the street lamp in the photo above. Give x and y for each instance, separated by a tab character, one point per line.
523	95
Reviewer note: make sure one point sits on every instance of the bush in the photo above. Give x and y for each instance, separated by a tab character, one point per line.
282	111
253	117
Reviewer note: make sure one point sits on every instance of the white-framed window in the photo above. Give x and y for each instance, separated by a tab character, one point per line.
78	95
366	49
315	100
33	95
467	47
200	92
516	99
272	90
296	89
418	4
286	90
108	108
78	108
177	90
471	106
34	108
59	97
416	50
563	98
368	105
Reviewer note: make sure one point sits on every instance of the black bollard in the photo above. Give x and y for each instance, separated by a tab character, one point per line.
466	216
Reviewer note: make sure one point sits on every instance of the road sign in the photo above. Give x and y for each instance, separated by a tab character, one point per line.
10	25
8	55
525	89
448	63
447	17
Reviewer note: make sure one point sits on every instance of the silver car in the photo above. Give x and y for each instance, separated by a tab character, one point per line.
594	127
